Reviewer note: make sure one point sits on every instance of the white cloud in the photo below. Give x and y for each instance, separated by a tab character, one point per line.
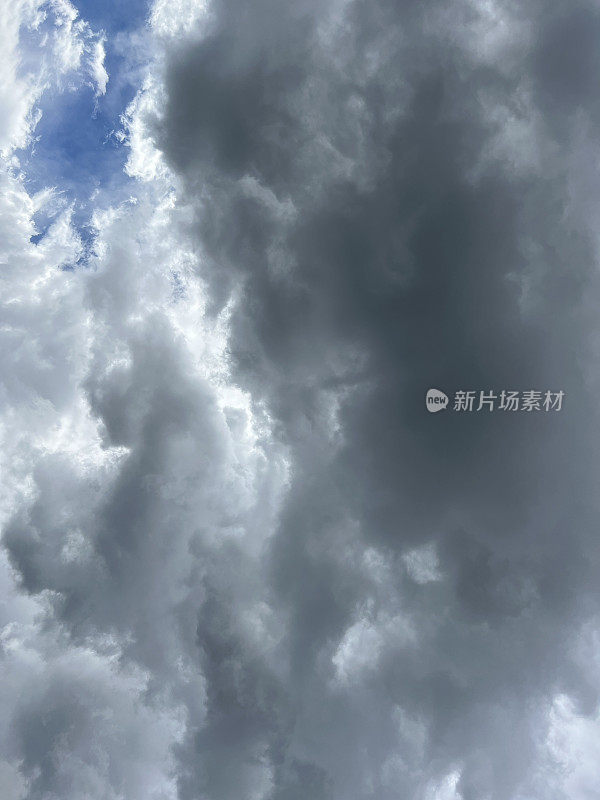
172	20
58	44
213	582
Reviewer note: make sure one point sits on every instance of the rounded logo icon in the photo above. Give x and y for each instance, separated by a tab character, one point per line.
435	400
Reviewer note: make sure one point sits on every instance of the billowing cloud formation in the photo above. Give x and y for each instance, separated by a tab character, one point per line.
241	558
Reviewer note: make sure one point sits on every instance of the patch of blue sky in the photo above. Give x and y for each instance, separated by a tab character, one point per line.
75	149
113	16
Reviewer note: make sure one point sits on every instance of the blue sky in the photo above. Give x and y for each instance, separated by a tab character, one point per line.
75	148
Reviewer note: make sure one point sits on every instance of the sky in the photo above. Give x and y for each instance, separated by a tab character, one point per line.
240	559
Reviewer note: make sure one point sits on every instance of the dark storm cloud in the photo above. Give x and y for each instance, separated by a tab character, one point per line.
386	197
382	252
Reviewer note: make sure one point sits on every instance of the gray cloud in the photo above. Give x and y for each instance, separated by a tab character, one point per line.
411	259
327	591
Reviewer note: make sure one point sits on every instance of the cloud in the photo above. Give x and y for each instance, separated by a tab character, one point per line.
243	560
45	44
423	250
